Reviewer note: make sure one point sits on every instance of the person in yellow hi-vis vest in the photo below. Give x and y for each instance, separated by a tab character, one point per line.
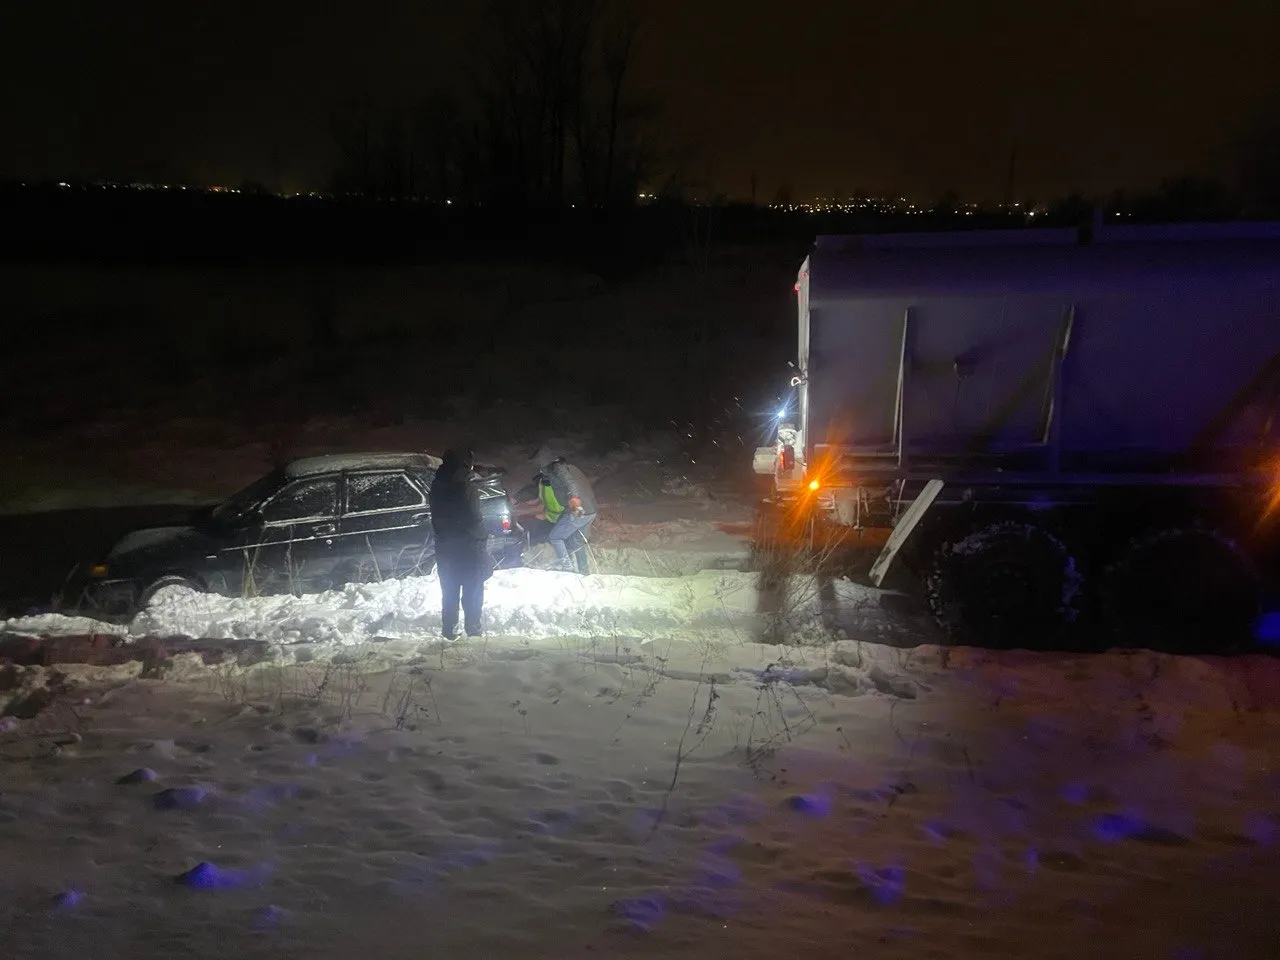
568	507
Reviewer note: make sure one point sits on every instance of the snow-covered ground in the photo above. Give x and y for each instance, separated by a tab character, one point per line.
659	761
541	607
650	800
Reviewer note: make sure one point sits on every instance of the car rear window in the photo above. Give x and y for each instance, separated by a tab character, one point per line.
367	492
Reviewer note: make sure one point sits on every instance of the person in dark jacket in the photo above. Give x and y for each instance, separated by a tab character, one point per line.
462	558
568	505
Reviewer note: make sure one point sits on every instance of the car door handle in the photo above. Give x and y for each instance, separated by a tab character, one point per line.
321	529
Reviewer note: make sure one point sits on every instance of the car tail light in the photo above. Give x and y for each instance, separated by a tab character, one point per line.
506	524
787	457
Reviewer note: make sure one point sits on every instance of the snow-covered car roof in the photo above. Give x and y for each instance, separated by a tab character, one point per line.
332	463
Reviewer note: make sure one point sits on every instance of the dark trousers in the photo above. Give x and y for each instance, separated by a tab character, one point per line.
568	537
461	583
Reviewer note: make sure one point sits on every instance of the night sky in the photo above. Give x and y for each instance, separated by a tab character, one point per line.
915	96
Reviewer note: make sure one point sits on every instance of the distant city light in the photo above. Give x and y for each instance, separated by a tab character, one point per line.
868	205
897	207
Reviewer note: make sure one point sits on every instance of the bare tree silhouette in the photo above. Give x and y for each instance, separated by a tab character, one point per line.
351	126
551	117
610	127
440	132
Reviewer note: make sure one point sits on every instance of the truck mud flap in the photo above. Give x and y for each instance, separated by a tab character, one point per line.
904	528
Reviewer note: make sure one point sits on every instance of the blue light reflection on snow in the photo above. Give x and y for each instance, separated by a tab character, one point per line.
1262	830
69	899
208	876
886	884
1266	630
816	804
1114	827
267	919
642	914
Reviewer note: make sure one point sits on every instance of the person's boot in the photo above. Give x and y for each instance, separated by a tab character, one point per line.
584	563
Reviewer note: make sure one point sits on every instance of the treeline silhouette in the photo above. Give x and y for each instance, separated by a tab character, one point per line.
173	226
170	226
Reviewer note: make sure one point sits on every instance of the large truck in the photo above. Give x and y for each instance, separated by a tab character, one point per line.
1045	426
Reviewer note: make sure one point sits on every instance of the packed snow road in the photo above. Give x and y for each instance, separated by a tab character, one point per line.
535	605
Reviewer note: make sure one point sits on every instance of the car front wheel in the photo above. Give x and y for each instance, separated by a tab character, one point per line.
169	580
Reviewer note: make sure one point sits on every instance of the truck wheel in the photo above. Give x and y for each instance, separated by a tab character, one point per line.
1008	584
1181	590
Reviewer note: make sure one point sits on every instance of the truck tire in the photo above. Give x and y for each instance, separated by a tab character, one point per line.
1181	590
1007	584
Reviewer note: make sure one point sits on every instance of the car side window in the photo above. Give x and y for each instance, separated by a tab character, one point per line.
369	492
313	499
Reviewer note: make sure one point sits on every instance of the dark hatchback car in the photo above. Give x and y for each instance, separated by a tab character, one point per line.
312	525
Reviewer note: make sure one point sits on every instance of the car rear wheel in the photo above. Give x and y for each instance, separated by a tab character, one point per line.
168	580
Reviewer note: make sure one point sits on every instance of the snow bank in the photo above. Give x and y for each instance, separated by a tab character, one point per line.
61	625
532	604
525	603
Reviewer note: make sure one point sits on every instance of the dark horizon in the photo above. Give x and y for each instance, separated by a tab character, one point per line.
846	98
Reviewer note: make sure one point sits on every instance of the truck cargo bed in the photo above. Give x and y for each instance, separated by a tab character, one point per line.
1158	352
